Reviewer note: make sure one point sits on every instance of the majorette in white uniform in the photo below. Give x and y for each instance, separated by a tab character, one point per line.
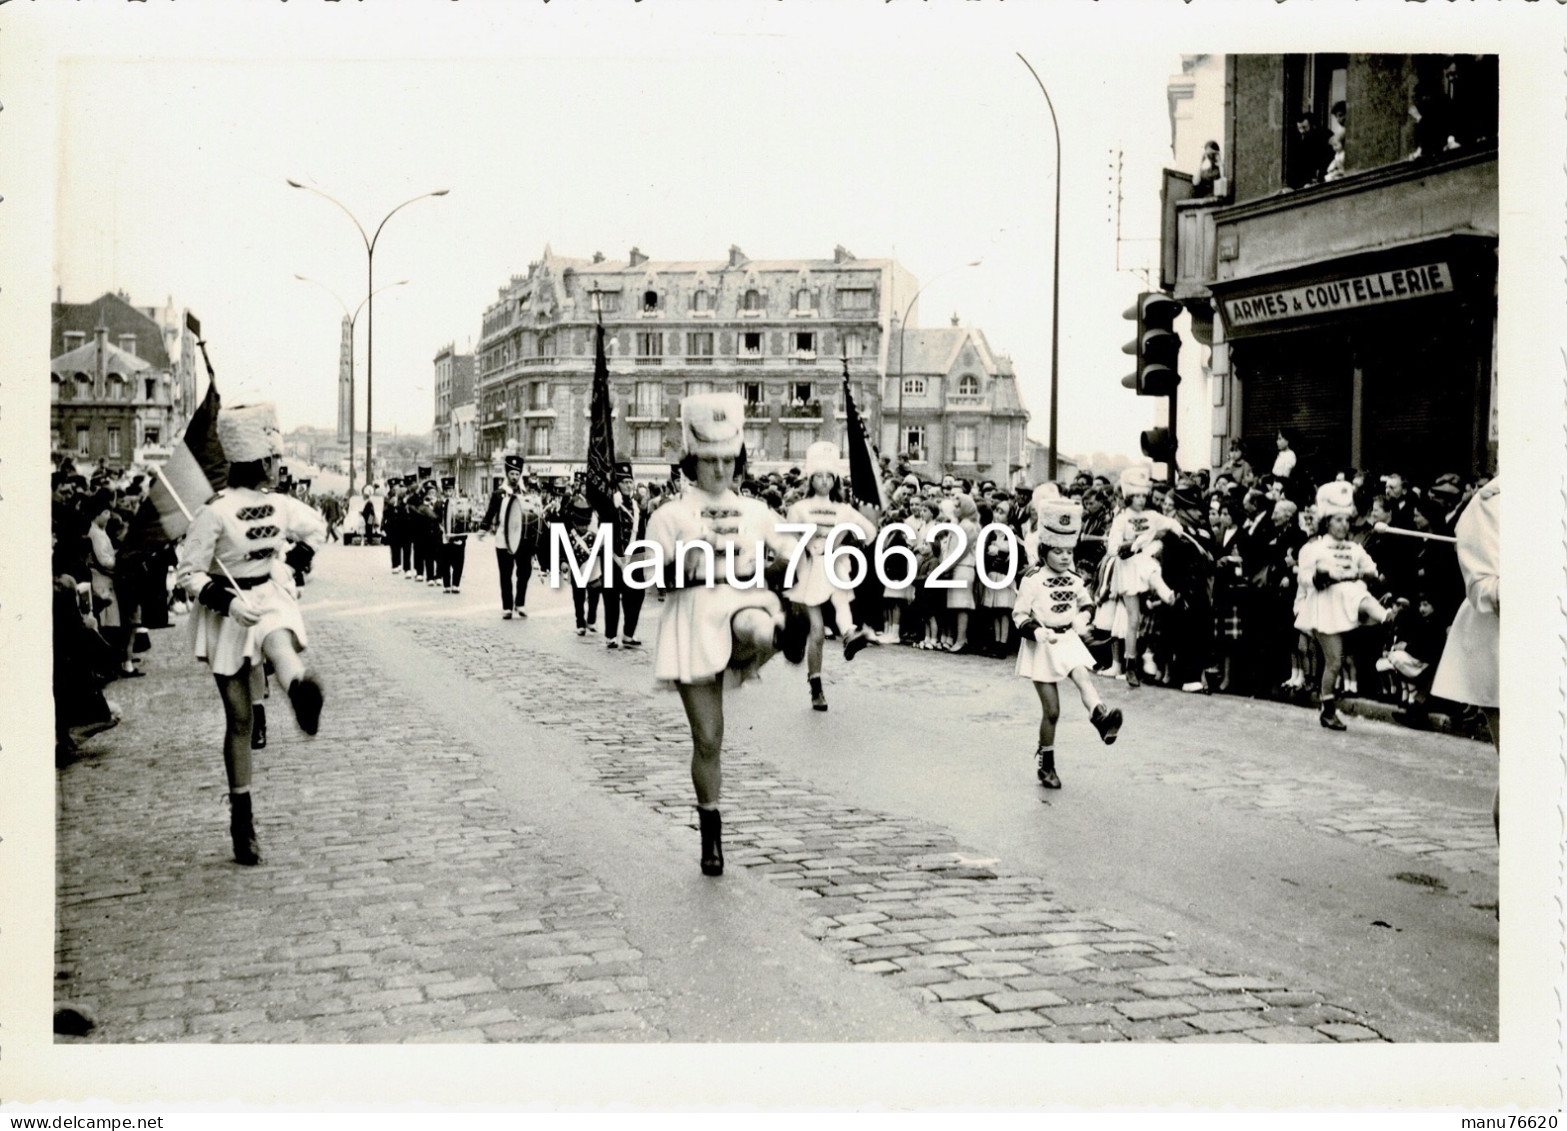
812	585
695	642
248	530
1058	602
1135	530
1334	608
1470	667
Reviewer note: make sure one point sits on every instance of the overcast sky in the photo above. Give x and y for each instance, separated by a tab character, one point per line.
172	181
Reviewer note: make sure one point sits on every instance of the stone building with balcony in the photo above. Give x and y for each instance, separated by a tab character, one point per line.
454	439
777	332
1343	278
115	398
957	404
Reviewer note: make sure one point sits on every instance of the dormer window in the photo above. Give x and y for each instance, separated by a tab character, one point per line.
968	385
752	302
702	301
802	300
649	301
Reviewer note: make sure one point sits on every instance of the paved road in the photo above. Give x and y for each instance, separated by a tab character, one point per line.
492	839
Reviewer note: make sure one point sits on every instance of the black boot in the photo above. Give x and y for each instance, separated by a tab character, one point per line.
818	700
258	727
305	694
242	830
1045	766
712	842
791	639
1329	716
1106	722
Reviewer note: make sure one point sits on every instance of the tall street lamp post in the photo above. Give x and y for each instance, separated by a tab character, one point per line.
1055	278
351	319
370	242
903	325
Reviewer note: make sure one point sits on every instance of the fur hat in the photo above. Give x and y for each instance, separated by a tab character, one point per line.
712	425
1060	522
822	456
1135	481
249	432
1044	493
1337	497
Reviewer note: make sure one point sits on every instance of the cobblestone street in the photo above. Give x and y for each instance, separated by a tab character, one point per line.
493	839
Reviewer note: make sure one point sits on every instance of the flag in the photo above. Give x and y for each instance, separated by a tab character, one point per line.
197	470
864	466
600	484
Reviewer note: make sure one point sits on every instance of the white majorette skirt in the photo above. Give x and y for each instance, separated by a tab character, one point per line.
695	637
1051	663
226	644
1131	576
1332	610
811	585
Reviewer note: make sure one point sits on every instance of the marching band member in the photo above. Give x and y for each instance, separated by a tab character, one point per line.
813	586
456	518
245	527
515	516
715	632
395	527
1052	615
621	600
1470	670
1332	572
581	524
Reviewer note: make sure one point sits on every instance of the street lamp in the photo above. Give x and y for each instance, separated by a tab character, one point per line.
370	242
1055	277
352	318
903	325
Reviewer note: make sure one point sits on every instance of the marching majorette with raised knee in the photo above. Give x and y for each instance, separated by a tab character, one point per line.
237	562
1052	615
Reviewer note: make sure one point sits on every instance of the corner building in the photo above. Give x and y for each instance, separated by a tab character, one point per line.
1351	302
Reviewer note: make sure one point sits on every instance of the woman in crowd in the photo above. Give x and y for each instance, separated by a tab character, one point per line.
716	629
818	583
234	563
960	599
1003	558
1132	570
1333	572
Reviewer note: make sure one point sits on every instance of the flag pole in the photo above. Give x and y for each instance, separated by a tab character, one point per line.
175	495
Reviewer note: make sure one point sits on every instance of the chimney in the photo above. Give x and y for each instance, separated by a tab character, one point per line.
637	258
736	256
101	340
841	254
955	322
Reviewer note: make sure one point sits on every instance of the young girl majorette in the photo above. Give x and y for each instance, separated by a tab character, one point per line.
814	586
1052	616
1132	570
246	528
716	630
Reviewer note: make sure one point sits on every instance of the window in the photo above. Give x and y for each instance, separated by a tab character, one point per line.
81	439
648	399
797	440
699	348
914	386
648	443
914	442
702	301
57	387
1313	85
752	303
968	385
756	441
84	387
800	392
150	436
751	343
609	302
114	441
966	443
854	298
752	391
546	345
698	388
650	347
538	395
853	345
649	301
538	439
805	343
152	388
802	300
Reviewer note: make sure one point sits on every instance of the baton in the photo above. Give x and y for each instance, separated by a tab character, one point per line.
1384	528
179	502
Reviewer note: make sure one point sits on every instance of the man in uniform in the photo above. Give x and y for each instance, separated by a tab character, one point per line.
629	518
516	511
395	527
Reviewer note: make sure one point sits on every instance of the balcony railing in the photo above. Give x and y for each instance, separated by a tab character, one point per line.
758	410
808	411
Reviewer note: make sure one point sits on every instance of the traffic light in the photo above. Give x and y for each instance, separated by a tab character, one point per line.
1159	445
1157	346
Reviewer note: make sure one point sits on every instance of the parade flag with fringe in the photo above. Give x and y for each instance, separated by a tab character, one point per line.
601	435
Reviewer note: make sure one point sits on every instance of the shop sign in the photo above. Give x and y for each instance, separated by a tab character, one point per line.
1336	295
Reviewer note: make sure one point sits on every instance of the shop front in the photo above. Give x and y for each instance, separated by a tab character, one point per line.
1380	361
